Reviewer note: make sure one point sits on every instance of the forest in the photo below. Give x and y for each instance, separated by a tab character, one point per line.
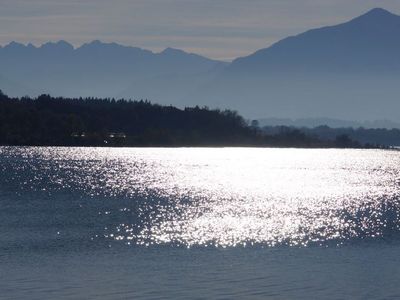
365	137
58	121
108	122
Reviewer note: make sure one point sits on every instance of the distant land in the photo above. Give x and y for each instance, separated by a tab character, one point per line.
99	69
333	123
348	71
365	137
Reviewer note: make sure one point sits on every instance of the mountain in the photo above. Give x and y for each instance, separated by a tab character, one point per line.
348	71
368	43
96	69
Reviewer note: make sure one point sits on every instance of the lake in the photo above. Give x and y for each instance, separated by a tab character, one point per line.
202	223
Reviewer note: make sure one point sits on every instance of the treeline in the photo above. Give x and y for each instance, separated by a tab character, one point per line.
107	122
352	137
58	121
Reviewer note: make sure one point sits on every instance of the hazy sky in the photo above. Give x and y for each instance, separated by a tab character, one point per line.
221	29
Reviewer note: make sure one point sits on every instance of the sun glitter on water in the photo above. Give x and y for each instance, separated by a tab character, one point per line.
235	196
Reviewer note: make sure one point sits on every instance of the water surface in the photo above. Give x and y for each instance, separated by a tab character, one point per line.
199	222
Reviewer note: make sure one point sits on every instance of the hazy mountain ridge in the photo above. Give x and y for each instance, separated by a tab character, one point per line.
366	43
348	71
94	69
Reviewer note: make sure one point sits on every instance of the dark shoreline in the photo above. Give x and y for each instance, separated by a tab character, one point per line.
91	122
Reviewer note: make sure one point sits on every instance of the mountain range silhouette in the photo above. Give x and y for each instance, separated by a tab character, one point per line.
347	71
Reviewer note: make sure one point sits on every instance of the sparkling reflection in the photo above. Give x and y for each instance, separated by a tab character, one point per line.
223	197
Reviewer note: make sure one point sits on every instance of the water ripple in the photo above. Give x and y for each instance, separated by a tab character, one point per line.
221	197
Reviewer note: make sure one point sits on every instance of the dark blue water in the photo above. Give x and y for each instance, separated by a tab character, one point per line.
199	223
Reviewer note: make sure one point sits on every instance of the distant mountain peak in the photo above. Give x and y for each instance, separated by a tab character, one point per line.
99	43
58	45
14	45
94	44
377	15
63	43
172	51
378	11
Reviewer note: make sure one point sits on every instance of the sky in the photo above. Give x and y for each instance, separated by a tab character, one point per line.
219	29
